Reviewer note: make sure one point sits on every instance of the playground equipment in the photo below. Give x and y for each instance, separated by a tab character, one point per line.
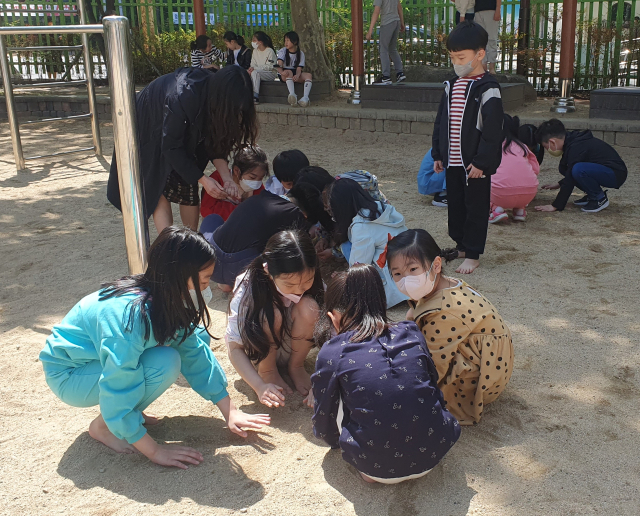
116	31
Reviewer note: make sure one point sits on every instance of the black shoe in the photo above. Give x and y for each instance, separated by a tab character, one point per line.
594	206
383	80
583	201
400	77
256	100
440	200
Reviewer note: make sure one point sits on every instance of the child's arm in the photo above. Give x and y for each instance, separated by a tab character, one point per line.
237	420
298	73
325	387
489	155
374	18
435	139
363	248
401	13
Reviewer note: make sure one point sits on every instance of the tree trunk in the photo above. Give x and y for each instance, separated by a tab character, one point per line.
306	23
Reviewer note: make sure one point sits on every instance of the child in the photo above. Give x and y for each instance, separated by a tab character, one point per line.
286	167
391	24
515	183
203	53
467	141
272	316
468	340
263	61
375	386
237	52
250	167
586	162
363	228
290	65
123	346
430	183
527	135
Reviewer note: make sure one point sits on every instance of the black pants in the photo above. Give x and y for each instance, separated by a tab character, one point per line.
469	206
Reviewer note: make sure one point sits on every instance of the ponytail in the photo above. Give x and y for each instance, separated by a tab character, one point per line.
264	38
511	127
200	43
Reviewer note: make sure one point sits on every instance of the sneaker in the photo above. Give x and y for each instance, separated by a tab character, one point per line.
594	206
440	200
400	77
293	99
494	216
520	215
304	102
383	80
256	100
582	201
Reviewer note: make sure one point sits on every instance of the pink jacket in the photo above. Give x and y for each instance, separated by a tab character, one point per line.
516	174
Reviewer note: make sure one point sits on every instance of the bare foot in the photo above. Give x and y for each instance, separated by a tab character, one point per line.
301	379
225	288
468	266
367	479
275	378
150	419
99	431
461	254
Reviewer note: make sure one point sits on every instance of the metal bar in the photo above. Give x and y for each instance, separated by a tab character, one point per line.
60	153
48	84
136	231
91	91
72	117
52	29
53	47
357	54
14	129
198	17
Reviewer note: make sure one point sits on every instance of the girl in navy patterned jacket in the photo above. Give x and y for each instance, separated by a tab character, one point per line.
375	386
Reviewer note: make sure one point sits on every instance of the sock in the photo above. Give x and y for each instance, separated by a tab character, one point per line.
307	88
290	87
498	209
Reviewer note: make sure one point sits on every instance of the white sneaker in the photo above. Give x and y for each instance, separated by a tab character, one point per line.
293	99
304	102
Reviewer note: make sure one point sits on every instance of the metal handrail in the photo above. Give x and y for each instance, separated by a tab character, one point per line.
52	47
53	29
52	84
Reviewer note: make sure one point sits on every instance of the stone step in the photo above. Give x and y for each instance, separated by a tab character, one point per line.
276	91
619	103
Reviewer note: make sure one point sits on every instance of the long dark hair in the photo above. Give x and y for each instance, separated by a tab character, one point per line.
251	157
200	42
264	38
358	294
527	135
232	36
232	120
418	245
287	252
511	125
313	181
163	301
295	39
346	200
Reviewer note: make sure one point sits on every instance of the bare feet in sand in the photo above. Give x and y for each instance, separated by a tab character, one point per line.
99	431
367	479
468	266
274	377
301	379
150	419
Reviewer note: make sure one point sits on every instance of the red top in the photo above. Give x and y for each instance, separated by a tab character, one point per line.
210	205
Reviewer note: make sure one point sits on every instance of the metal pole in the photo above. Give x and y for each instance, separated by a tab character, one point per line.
565	103
357	45
91	91
198	17
11	106
125	136
523	39
53	29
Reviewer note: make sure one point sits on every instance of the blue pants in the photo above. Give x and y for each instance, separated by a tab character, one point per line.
345	247
591	177
78	386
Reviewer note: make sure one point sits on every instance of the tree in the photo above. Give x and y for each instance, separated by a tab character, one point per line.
306	23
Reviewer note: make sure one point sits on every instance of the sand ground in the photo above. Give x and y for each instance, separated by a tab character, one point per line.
563	439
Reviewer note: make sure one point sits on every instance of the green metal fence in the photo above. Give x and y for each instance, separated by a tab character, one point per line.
607	40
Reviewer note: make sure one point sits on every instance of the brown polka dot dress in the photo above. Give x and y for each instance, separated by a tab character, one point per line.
471	348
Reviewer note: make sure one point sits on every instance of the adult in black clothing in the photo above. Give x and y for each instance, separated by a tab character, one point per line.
587	163
237	52
245	233
186	119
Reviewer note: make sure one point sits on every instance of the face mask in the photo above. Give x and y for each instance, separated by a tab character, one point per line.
555	153
254	44
291	297
207	295
250	186
464	70
417	287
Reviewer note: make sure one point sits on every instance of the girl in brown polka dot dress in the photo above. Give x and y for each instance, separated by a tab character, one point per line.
469	342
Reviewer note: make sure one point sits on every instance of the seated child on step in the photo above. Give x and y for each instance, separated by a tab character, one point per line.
290	64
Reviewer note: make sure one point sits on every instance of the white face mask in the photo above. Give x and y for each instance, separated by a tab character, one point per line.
207	295
290	297
254	44
465	69
417	287
250	186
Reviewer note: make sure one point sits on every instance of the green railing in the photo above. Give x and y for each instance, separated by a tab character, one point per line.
607	39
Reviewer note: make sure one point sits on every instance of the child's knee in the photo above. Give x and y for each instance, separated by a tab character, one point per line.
306	312
163	361
577	171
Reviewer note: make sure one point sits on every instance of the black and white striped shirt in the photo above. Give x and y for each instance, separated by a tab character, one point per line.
200	58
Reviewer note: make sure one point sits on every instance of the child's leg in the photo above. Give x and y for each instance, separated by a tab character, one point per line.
190	216
393	49
304	318
457	210
477	199
591	177
287	76
386	32
306	79
268	368
162	215
255	79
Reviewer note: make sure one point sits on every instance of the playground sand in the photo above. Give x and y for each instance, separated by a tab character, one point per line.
563	438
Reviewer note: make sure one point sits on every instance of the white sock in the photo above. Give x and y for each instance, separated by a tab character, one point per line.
307	88
290	87
498	209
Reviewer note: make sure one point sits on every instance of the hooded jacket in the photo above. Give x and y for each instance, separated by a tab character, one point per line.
482	136
369	244
244	57
583	147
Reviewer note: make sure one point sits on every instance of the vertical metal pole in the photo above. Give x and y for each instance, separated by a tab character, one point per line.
125	136
357	54
565	103
198	17
523	39
91	91
14	129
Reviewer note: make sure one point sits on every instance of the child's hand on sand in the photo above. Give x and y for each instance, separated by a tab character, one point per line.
309	400
174	455
238	421
271	395
553	186
438	167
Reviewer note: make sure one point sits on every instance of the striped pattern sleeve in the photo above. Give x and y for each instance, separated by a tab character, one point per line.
458	101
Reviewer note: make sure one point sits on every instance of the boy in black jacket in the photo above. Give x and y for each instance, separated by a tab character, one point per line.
467	141
587	162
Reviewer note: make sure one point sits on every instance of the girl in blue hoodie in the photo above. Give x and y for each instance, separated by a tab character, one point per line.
124	345
363	227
